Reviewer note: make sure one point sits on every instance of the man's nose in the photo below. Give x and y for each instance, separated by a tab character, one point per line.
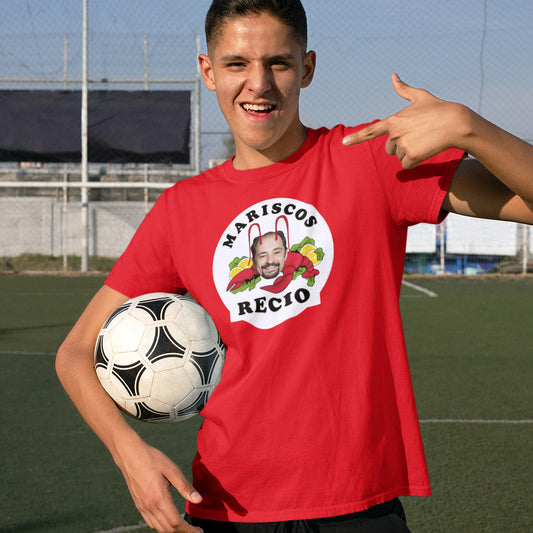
259	79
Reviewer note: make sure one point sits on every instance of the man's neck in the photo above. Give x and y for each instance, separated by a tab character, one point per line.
248	158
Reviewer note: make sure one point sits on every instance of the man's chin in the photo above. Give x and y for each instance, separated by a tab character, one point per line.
270	275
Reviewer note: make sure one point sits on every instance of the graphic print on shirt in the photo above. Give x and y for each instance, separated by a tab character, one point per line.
272	262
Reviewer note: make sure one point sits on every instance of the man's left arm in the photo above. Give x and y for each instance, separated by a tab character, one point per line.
474	191
497	184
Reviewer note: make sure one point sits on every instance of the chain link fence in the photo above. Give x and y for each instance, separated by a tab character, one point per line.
476	52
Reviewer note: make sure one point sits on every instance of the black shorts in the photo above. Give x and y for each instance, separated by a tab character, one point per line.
388	517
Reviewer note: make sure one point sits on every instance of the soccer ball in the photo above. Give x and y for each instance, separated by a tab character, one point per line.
159	356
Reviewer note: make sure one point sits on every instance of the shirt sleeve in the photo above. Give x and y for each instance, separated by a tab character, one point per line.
146	265
415	195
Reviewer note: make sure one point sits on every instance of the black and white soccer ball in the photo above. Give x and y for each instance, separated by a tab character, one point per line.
159	356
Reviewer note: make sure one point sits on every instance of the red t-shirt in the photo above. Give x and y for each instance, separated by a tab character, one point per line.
315	414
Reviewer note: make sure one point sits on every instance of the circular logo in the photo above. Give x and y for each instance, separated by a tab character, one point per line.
273	261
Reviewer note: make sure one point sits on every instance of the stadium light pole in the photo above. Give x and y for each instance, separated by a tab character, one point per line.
84	148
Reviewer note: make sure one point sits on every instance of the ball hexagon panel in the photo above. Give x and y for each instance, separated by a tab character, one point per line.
194	321
170	386
124	335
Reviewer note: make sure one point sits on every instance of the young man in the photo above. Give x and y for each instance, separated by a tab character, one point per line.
313	426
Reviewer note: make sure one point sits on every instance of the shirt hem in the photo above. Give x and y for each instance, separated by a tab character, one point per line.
306	514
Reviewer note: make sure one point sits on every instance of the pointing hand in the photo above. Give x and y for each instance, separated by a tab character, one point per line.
421	130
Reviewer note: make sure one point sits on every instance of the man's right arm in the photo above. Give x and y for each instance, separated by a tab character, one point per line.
148	472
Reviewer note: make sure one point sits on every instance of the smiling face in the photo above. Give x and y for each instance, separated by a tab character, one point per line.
269	256
257	68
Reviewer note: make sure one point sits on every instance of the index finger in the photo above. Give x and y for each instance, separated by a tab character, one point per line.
176	478
366	134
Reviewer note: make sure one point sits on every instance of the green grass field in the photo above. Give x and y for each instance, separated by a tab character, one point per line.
470	353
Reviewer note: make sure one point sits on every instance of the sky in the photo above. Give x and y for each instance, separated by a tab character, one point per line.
477	52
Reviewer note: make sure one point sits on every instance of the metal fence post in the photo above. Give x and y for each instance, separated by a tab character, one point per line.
84	149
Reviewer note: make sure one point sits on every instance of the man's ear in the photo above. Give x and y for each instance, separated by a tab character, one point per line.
206	69
309	69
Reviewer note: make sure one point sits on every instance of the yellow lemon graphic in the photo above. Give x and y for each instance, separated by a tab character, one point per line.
245	263
309	251
235	271
306	249
313	257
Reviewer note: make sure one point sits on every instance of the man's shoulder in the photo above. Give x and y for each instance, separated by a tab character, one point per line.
340	130
206	177
330	139
214	173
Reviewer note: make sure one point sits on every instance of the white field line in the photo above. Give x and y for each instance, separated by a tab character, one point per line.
14	352
124	529
421	421
40	293
418	288
473	421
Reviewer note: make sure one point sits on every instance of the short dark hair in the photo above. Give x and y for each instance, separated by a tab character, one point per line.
259	239
289	12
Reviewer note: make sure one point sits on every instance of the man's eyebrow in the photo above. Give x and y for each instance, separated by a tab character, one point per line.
275	249
235	57
229	58
282	57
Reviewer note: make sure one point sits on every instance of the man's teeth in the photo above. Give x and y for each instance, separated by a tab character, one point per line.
257	107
